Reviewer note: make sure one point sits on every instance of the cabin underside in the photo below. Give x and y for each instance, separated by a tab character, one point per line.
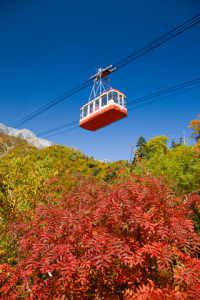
104	117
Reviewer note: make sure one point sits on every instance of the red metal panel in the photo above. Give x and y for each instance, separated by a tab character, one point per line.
103	117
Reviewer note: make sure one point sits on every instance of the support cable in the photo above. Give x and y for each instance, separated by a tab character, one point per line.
162	92
52	103
63	131
135	101
58	128
168	36
96	55
166	97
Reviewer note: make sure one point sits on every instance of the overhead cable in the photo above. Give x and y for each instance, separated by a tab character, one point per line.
96	55
165	97
161	40
137	100
139	106
63	131
52	103
58	128
164	38
162	92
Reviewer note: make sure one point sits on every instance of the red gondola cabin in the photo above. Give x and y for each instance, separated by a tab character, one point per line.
109	107
105	106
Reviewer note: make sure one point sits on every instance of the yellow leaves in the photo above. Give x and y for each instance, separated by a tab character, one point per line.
197	148
157	144
26	177
24	181
11	258
195	126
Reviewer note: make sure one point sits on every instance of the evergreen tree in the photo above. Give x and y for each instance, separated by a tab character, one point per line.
176	144
173	144
181	142
141	151
141	142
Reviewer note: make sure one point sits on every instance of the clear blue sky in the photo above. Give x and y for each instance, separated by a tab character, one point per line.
43	41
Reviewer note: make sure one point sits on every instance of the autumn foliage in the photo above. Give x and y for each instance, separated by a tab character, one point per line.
128	239
195	126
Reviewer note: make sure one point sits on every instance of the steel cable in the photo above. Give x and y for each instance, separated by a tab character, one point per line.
168	36
135	101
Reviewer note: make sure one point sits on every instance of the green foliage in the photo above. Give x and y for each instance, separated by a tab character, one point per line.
23	181
176	144
110	175
173	144
146	150
7	143
25	172
181	141
91	165
141	151
96	171
156	145
180	167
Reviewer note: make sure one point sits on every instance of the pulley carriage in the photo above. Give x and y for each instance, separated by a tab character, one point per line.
105	105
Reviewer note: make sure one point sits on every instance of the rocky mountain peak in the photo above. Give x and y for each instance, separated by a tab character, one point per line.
27	135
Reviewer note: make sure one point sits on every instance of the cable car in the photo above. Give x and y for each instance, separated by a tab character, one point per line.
105	106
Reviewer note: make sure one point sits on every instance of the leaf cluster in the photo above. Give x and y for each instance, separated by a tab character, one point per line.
130	240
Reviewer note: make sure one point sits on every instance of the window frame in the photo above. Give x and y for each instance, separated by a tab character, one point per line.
100	102
122	97
92	108
117	97
105	95
84	111
95	104
124	103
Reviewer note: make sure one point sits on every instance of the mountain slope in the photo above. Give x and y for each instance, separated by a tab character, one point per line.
8	143
27	135
57	159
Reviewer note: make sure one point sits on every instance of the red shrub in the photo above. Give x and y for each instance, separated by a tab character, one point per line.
132	240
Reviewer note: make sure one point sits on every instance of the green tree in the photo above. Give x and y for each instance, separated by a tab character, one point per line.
24	180
176	144
181	141
173	144
156	145
179	166
141	151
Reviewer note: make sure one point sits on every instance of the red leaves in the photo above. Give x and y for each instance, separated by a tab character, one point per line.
132	240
